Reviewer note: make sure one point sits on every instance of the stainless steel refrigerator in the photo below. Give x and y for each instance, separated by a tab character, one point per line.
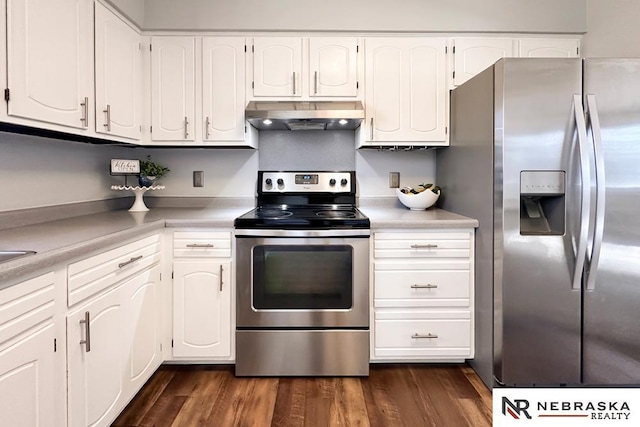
545	153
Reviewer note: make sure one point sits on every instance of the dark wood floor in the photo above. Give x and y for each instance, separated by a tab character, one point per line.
392	395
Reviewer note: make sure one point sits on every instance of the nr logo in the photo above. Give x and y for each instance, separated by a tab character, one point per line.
516	409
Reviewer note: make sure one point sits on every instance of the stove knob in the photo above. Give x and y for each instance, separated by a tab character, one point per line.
280	181
268	182
332	182
343	182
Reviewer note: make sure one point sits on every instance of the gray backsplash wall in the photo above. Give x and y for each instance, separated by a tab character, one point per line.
37	172
307	150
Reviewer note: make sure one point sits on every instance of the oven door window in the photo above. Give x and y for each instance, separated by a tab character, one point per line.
301	277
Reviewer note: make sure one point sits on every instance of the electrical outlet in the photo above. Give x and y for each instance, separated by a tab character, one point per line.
394	179
198	178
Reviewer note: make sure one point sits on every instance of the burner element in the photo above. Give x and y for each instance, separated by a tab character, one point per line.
272	213
336	214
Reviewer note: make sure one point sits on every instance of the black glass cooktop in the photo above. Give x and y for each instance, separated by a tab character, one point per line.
303	217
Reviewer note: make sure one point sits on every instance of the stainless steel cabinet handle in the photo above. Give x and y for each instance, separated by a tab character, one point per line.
207	122
294	82
315	82
429	286
372	128
132	260
420	336
200	245
221	282
598	232
87	332
581	251
85	112
429	246
107	118
186	128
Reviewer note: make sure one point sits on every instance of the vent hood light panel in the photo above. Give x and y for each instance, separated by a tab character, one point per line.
291	115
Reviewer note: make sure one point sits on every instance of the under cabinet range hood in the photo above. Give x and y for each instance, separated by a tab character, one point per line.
299	115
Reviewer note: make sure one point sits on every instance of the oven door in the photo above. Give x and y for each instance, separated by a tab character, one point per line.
302	282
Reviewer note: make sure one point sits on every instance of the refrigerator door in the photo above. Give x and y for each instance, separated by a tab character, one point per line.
611	346
537	306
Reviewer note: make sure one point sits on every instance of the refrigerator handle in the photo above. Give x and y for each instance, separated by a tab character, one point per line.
594	121
581	250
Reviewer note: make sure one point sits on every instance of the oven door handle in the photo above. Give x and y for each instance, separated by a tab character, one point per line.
357	232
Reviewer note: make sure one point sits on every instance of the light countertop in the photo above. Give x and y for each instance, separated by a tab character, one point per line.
62	240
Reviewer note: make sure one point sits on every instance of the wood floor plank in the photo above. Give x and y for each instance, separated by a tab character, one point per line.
201	400
418	395
290	403
482	390
230	402
258	408
318	402
146	399
348	407
164	411
436	388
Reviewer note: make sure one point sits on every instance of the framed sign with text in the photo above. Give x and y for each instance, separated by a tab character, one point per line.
125	167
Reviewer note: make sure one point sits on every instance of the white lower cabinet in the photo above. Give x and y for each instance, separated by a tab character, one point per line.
423	296
113	349
113	338
202	295
32	393
96	360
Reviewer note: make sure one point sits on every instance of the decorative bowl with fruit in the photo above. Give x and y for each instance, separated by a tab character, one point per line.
420	197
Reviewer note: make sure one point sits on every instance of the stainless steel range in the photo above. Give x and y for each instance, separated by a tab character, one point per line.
302	305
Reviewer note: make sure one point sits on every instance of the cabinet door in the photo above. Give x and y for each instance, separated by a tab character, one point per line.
95	380
118	76
32	362
333	66
142	331
549	48
201	309
223	101
405	89
474	55
173	89
277	66
49	60
27	380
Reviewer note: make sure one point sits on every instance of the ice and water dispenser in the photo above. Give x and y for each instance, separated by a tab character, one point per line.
542	203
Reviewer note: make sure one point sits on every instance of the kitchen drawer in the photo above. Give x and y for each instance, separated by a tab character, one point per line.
199	244
99	272
444	337
422	245
422	288
25	305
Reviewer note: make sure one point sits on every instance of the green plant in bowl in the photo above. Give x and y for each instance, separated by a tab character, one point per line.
150	171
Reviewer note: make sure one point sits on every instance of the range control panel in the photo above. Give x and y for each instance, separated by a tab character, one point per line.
306	182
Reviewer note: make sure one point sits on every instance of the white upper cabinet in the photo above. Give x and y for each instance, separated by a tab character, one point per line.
333	66
223	83
549	48
277	66
305	67
50	61
118	76
473	55
406	90
173	89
